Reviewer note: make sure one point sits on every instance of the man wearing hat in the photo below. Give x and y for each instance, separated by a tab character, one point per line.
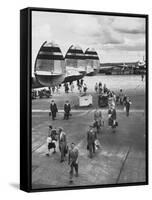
53	109
67	109
91	137
73	161
62	144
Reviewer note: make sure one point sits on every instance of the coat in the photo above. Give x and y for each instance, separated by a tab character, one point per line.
73	155
97	115
91	137
113	114
67	108
53	108
62	139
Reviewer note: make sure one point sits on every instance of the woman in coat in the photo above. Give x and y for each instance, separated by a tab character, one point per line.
112	117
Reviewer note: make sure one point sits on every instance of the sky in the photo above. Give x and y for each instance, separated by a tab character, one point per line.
115	38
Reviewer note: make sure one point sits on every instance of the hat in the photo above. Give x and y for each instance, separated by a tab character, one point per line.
60	128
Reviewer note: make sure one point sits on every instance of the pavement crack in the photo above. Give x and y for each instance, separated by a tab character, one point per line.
122	166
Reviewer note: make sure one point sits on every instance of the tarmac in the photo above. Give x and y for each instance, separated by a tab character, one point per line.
121	158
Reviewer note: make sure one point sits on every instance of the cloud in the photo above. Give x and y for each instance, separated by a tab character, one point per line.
129	25
104	33
128	45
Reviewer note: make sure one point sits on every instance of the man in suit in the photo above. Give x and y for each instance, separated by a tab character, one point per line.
73	161
98	119
91	137
67	109
127	105
62	144
53	109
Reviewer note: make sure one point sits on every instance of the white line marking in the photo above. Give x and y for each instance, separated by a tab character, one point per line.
79	111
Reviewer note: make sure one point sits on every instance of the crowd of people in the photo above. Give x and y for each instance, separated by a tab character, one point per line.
113	99
54	110
58	135
70	152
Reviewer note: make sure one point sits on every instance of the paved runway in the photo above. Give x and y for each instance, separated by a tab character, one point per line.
121	158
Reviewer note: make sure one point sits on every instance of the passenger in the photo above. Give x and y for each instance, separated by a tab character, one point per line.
100	84
100	89
81	82
96	87
53	89
67	109
53	109
51	140
84	88
72	87
112	117
127	105
80	88
142	77
98	119
73	161
78	83
54	139
121	95
62	144
91	137
104	88
124	100
50	129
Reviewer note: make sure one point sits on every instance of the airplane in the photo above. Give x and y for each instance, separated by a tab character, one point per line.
49	69
75	63
52	69
92	62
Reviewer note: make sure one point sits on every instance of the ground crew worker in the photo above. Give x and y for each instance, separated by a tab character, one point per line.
91	137
62	144
73	161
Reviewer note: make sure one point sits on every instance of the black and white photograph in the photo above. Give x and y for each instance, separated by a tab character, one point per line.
88	99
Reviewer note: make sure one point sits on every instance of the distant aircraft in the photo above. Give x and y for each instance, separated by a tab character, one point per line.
49	69
117	68
92	62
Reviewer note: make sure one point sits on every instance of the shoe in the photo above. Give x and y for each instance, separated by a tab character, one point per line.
47	154
70	181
